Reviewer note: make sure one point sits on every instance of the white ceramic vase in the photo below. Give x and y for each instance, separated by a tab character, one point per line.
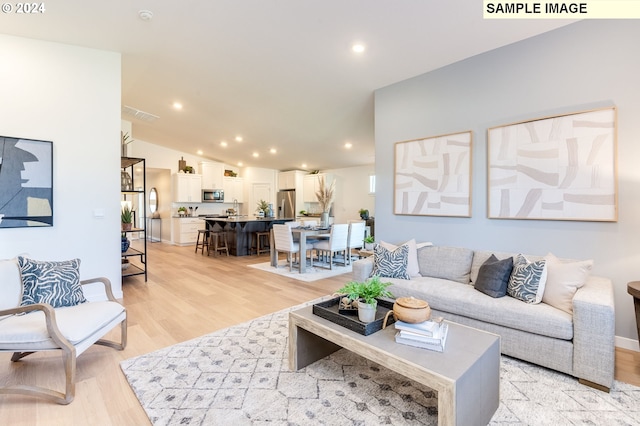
367	312
324	219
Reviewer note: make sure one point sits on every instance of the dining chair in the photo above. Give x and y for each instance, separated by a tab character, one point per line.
337	243
356	237
283	240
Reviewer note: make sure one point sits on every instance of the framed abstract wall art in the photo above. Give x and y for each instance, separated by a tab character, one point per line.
432	176
556	168
26	183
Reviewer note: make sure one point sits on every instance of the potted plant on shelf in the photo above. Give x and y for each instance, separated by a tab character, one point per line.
126	217
369	242
325	195
366	293
364	214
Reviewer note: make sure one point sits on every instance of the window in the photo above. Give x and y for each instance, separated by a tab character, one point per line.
372	184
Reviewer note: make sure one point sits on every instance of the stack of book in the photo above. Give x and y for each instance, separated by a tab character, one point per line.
428	334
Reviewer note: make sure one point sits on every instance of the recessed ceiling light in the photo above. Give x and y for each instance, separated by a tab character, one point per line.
238	138
177	105
348	145
239	163
273	150
358	48
303	165
145	15
223	143
255	155
199	152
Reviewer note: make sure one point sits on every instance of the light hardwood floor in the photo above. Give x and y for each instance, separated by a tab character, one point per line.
187	295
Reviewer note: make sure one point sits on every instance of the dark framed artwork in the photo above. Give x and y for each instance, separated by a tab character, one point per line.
26	183
555	168
432	176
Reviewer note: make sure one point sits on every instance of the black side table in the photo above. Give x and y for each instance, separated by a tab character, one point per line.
633	288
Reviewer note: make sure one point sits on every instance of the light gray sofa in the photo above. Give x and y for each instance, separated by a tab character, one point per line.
580	344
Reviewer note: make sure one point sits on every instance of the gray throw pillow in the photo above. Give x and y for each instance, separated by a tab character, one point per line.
493	276
390	264
55	283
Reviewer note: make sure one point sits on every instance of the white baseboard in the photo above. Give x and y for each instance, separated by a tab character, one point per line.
626	343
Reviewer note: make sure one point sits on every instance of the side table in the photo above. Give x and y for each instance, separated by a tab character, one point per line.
633	288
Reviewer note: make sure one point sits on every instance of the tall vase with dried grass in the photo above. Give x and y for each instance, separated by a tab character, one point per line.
325	195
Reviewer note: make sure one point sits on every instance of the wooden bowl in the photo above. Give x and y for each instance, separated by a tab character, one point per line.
411	310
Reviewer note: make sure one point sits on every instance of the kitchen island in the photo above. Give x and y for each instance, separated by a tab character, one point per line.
240	229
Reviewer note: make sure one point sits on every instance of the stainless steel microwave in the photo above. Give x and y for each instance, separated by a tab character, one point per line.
212	196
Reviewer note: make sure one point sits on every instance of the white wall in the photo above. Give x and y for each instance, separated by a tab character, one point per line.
71	96
352	193
584	65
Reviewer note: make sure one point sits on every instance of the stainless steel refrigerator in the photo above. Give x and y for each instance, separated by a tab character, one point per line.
286	204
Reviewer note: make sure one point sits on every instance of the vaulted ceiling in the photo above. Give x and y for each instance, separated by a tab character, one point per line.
281	74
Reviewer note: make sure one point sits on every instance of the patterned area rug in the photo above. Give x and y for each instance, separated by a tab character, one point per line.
311	274
240	376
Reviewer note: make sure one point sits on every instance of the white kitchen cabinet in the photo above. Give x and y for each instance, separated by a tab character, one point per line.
212	174
291	180
187	188
233	189
311	185
185	230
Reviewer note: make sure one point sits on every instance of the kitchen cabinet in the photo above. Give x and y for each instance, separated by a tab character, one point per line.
311	185
135	193
187	188
186	230
290	180
212	174
233	189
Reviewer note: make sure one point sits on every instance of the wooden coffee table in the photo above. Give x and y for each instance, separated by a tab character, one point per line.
466	375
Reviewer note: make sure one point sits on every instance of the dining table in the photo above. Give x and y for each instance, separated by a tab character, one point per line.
302	233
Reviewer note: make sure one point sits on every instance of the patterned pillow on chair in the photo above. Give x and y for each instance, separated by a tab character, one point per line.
55	283
390	264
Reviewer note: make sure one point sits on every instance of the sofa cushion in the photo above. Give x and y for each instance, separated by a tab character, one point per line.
412	256
55	283
391	264
527	280
451	263
462	299
563	280
493	276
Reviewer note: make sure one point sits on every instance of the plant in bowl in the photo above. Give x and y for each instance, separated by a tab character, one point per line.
369	240
263	206
126	217
364	214
366	293
182	211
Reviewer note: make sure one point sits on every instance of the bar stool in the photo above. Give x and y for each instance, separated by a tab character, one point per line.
205	240
218	242
262	242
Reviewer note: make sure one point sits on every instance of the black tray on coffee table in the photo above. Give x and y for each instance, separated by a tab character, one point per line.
329	311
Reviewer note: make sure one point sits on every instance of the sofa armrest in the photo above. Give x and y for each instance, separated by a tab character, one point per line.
362	268
594	332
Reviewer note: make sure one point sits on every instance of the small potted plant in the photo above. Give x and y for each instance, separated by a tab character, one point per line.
366	293
182	211
364	214
126	217
369	241
263	207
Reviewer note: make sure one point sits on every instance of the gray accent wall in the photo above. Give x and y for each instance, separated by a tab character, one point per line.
588	64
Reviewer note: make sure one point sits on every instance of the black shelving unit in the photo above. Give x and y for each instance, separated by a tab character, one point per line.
137	257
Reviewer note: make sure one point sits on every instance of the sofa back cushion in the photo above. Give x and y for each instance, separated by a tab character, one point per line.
450	263
10	284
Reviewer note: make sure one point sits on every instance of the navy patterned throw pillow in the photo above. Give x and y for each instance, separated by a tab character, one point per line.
55	283
391	264
527	280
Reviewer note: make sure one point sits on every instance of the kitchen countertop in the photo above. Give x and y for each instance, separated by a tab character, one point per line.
235	219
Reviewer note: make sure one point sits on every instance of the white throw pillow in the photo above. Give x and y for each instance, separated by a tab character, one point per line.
563	280
412	262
